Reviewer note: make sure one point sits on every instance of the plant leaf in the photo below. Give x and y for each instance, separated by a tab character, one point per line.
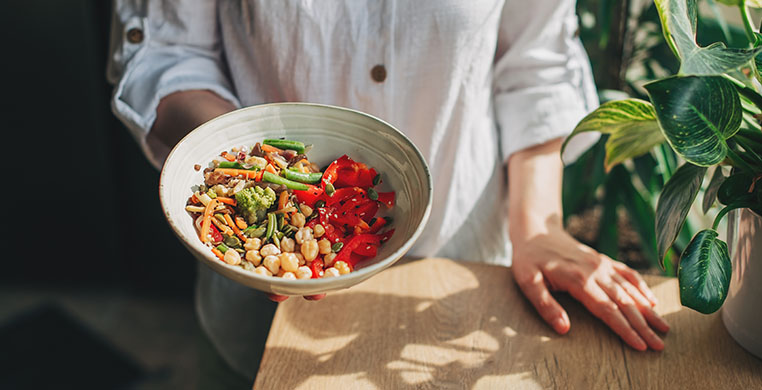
631	124
674	203
697	114
678	20
641	215
710	195
704	272
715	59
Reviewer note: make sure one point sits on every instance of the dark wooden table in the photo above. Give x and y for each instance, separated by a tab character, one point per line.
437	323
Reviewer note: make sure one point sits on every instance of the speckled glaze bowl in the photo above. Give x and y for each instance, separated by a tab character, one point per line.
333	131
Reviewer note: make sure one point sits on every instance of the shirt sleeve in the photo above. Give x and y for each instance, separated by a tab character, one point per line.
543	84
158	48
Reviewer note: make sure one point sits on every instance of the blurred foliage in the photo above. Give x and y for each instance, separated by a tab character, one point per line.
624	41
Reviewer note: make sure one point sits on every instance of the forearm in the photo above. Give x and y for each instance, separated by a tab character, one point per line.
181	112
534	190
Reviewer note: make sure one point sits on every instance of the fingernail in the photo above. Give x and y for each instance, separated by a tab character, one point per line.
560	325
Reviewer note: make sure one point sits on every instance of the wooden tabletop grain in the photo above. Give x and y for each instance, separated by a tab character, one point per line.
437	323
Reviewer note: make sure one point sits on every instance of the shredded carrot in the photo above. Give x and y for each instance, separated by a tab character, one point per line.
228	156
241	223
258	176
224	228
237	172
270	149
270	168
194	199
225	200
207	220
219	254
234	227
283	200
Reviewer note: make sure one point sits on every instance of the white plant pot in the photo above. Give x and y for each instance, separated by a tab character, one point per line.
742	310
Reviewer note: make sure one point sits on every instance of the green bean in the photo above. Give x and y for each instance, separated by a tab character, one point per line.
310	178
285	144
271	222
222	248
275	179
235	165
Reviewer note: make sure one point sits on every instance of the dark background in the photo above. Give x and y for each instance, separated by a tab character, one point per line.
83	205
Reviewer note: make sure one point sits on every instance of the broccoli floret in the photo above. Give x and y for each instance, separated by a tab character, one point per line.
253	203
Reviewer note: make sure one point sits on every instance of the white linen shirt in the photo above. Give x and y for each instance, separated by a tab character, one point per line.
469	82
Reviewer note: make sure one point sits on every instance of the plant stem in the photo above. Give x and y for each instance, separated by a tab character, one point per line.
747	24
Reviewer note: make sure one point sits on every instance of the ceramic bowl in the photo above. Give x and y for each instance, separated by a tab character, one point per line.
333	131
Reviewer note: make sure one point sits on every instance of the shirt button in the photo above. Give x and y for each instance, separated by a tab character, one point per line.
378	73
135	35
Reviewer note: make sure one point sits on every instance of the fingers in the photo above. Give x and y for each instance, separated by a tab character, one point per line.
635	279
532	284
644	305
630	309
598	302
277	298
281	298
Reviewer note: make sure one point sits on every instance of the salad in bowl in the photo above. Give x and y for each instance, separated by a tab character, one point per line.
296	198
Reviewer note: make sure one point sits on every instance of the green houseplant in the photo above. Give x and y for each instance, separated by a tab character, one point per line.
708	113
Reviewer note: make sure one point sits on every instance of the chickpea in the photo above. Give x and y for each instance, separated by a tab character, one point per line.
329	259
298	220
343	267
252	244
262	271
269	250
288	262
232	257
304	234
324	246
254	257
306	210
272	263
331	273
289	275
301	259
287	244
319	230
310	249
303	272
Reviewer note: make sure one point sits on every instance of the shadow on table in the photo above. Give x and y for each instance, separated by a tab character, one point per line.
472	338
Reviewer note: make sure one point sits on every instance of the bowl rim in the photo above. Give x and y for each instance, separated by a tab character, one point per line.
351	278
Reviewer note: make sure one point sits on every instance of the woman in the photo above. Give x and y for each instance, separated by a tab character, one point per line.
486	89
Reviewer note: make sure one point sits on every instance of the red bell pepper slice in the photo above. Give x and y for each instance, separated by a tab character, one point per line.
332	172
367	211
385	236
369	250
386	198
377	225
354	243
317	268
332	234
309	196
346	194
216	235
355	258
